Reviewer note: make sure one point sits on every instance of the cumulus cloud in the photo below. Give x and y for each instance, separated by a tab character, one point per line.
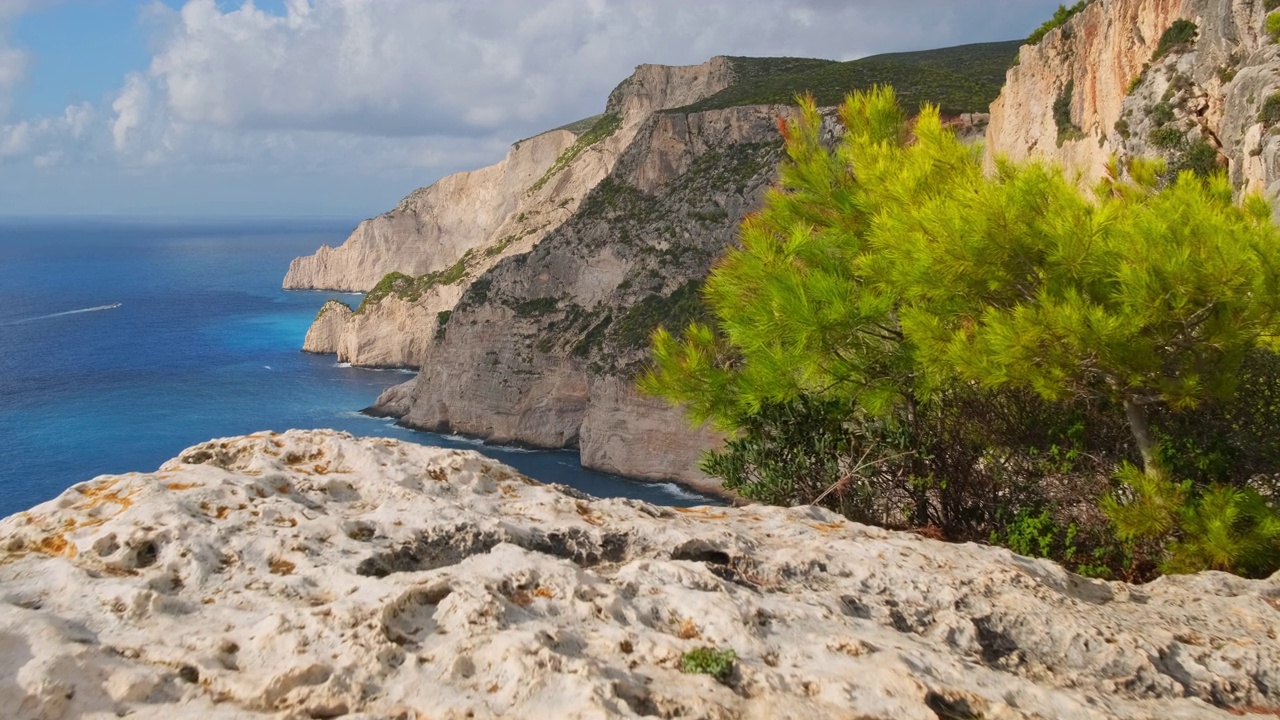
13	61
360	91
49	141
433	67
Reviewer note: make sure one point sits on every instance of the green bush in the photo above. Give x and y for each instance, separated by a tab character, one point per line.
709	661
1273	26
1184	529
1060	17
1161	113
1271	4
1168	137
1200	157
1178	38
1067	129
1270	113
442	320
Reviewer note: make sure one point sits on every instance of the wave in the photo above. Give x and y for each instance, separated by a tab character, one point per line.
679	492
402	371
98	308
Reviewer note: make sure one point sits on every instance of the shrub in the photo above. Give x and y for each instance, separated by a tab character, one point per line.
442	320
1161	113
1273	26
709	661
1178	38
1067	129
1200	158
1060	17
1185	530
1270	113
1168	137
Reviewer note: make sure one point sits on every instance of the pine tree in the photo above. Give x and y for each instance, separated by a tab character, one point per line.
890	273
1146	296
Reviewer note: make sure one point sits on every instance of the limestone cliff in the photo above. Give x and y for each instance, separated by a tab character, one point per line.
535	333
1133	78
542	349
314	575
393	333
434	226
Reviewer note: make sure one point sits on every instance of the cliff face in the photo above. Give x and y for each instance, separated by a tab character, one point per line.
543	348
393	333
1198	104
492	372
433	227
535	333
312	574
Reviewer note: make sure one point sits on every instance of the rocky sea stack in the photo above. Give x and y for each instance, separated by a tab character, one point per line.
312	574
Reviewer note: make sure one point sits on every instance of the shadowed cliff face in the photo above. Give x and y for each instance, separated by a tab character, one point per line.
542	349
529	354
1198	104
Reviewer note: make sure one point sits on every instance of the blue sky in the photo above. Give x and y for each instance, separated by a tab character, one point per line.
220	108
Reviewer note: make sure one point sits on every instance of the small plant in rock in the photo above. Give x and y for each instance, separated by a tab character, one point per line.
1270	113
1168	137
1273	26
1161	113
1067	129
709	661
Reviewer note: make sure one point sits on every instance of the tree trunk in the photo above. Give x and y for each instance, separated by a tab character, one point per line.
919	491
1140	426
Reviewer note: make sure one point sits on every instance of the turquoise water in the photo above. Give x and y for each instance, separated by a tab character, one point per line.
122	344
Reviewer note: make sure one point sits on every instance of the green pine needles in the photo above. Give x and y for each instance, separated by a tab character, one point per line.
890	276
1188	529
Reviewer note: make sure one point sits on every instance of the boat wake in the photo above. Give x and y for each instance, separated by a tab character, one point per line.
99	308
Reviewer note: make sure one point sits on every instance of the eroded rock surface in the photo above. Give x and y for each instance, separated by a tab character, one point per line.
312	574
1114	97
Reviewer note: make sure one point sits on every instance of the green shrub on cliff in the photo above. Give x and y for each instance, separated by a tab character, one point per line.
925	320
960	79
709	661
1060	17
1178	38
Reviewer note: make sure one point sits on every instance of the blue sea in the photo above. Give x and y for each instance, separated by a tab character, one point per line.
121	344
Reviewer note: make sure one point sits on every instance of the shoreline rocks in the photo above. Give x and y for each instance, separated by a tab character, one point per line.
313	574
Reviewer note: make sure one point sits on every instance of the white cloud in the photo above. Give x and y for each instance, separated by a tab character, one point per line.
13	61
357	94
49	140
430	67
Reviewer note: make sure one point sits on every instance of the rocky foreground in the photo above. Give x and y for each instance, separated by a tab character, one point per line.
312	574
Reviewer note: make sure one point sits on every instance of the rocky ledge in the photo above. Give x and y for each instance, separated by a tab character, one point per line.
313	574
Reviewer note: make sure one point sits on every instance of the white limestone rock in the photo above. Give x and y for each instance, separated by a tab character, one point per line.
312	574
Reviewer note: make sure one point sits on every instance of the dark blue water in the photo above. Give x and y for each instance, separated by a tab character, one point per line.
175	334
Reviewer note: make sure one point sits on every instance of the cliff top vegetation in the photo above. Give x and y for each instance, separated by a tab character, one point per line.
961	79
